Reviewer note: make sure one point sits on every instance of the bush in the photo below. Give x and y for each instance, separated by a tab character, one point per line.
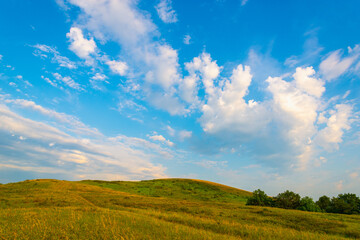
307	204
259	198
288	200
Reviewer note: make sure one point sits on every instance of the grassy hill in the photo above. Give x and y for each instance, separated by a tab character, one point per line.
185	189
156	209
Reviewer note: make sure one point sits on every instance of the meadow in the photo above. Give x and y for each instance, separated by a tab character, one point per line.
155	209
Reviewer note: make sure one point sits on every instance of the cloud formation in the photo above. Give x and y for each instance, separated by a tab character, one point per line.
81	46
33	145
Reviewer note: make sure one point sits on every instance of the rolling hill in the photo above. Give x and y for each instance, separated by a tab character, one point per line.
154	209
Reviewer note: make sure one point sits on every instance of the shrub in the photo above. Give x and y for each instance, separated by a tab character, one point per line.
288	200
259	198
307	204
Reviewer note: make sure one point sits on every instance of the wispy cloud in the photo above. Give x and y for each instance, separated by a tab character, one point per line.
47	148
165	11
333	66
45	51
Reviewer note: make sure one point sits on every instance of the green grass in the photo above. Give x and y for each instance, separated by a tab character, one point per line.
157	209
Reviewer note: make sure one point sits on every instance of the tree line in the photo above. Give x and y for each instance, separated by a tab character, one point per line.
347	203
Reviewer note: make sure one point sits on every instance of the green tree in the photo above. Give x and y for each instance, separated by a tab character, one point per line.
347	203
259	198
288	200
324	203
307	204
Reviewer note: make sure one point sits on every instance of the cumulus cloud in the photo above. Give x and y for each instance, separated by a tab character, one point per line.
304	81
225	108
165	11
296	107
118	67
161	138
200	68
81	46
164	66
339	121
291	116
157	61
289	113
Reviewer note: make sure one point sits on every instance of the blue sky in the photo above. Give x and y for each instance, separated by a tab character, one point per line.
253	94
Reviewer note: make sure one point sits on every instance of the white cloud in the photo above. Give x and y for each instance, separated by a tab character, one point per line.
165	11
187	39
225	108
76	125
311	51
296	110
308	84
68	81
118	67
183	134
161	138
203	68
130	104
44	51
52	83
164	66
78	157
99	77
155	60
81	46
171	131
339	121
1	57
97	81
333	66
116	19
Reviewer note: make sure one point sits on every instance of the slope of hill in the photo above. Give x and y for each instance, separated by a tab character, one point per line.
53	209
186	189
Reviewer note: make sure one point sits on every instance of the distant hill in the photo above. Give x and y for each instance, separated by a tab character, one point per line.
155	209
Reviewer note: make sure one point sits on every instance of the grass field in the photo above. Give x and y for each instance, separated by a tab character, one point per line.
156	209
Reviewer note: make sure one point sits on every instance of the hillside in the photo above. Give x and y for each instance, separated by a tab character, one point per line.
156	209
185	189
